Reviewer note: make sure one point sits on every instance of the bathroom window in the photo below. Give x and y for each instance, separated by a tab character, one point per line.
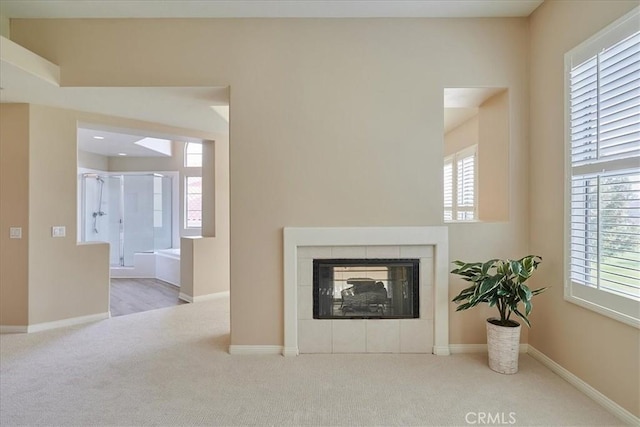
460	186
193	155
193	185
193	201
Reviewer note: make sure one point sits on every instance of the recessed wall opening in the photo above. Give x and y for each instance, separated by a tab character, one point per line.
476	154
140	191
366	288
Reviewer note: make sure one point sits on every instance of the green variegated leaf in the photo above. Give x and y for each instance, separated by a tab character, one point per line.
487	266
515	267
463	307
498	283
522	316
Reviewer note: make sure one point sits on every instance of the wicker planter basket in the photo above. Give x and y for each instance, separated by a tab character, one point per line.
503	343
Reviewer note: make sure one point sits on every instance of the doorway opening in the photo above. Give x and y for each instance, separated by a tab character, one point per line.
136	192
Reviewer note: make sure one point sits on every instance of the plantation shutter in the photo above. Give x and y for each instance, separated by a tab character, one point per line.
459	177
466	181
604	128
448	189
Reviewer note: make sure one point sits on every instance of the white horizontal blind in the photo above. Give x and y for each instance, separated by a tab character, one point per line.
448	189
604	128
460	186
466	194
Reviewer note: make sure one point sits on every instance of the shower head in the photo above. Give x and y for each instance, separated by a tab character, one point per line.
93	175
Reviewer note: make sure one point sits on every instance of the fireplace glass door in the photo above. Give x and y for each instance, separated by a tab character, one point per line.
366	288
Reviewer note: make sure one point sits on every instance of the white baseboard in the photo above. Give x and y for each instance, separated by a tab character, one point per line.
11	329
185	297
201	298
255	349
442	350
67	322
585	388
477	348
290	351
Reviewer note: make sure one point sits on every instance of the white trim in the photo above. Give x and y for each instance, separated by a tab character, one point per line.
585	388
255	349
293	351
28	61
478	348
67	322
185	297
437	236
572	289
13	329
622	309
618	30
201	298
442	350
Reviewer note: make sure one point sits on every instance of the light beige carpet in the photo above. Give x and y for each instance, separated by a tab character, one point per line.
170	367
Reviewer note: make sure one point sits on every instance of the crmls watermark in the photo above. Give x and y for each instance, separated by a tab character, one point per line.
490	418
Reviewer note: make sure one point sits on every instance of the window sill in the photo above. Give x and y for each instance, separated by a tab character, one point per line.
601	301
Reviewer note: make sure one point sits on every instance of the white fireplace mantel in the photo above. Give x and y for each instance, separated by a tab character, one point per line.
436	236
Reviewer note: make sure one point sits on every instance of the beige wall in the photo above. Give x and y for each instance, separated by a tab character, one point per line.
493	158
5	30
92	161
39	161
461	137
199	276
602	352
14	212
321	111
489	130
54	294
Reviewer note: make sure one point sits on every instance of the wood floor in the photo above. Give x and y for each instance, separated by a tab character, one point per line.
136	295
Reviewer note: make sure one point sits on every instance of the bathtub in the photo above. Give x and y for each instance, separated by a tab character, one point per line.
168	265
163	264
175	252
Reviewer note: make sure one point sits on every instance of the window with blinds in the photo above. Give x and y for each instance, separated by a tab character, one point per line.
603	147
460	186
193	154
193	202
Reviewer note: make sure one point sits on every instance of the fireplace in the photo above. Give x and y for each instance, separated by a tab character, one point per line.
366	288
426	333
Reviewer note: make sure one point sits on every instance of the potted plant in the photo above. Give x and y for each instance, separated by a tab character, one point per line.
500	283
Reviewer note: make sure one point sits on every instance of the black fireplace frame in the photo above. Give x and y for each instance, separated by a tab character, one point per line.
336	262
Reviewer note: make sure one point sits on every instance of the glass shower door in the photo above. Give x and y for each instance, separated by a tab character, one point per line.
114	219
138	230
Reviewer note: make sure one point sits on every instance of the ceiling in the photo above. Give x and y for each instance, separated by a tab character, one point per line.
112	144
461	103
266	8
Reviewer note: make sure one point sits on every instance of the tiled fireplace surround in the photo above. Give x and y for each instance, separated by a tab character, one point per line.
427	334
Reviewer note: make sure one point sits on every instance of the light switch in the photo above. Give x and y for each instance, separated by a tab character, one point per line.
15	232
58	231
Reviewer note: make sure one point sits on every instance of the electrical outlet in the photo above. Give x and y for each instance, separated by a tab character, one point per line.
58	231
15	232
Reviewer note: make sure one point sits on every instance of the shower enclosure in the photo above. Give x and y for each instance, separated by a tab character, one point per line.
133	212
